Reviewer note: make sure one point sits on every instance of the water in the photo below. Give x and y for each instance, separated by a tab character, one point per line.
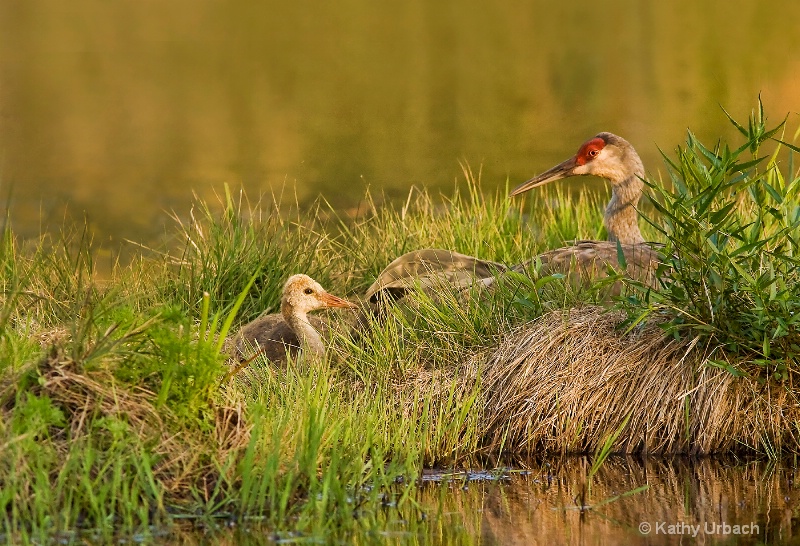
706	501
119	111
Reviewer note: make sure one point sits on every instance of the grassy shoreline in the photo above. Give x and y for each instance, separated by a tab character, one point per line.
116	413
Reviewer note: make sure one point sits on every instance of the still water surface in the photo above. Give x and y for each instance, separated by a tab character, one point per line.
120	110
703	501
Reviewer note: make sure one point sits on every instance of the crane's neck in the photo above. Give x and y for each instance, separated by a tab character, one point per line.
621	219
297	320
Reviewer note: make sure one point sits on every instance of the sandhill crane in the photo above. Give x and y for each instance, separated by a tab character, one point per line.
611	157
292	329
430	269
606	155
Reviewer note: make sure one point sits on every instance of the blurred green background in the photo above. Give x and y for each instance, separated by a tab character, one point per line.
119	109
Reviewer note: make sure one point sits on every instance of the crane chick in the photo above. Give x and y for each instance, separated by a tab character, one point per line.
291	330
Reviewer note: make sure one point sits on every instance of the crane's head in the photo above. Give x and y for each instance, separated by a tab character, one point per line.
606	155
304	293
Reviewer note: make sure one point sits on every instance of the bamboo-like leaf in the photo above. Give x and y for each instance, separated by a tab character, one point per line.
713	158
790	146
735	123
623	262
748	164
725	366
718	216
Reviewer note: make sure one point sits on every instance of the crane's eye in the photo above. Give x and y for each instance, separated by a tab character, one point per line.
308	291
593	153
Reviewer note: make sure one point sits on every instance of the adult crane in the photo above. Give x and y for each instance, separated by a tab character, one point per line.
606	155
613	158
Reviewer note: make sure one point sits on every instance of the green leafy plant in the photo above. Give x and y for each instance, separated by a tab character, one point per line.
730	274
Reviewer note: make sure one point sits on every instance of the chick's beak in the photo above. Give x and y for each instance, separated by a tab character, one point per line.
333	301
562	170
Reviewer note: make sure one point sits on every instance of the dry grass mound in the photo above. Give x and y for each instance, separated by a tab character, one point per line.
569	380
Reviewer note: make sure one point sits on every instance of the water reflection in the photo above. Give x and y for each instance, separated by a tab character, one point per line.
700	500
123	108
708	497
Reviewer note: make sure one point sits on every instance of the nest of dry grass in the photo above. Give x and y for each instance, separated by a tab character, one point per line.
567	381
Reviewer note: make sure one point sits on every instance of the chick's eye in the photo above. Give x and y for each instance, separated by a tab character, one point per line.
308	291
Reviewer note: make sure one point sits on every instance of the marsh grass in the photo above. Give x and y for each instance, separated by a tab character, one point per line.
119	419
119	411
